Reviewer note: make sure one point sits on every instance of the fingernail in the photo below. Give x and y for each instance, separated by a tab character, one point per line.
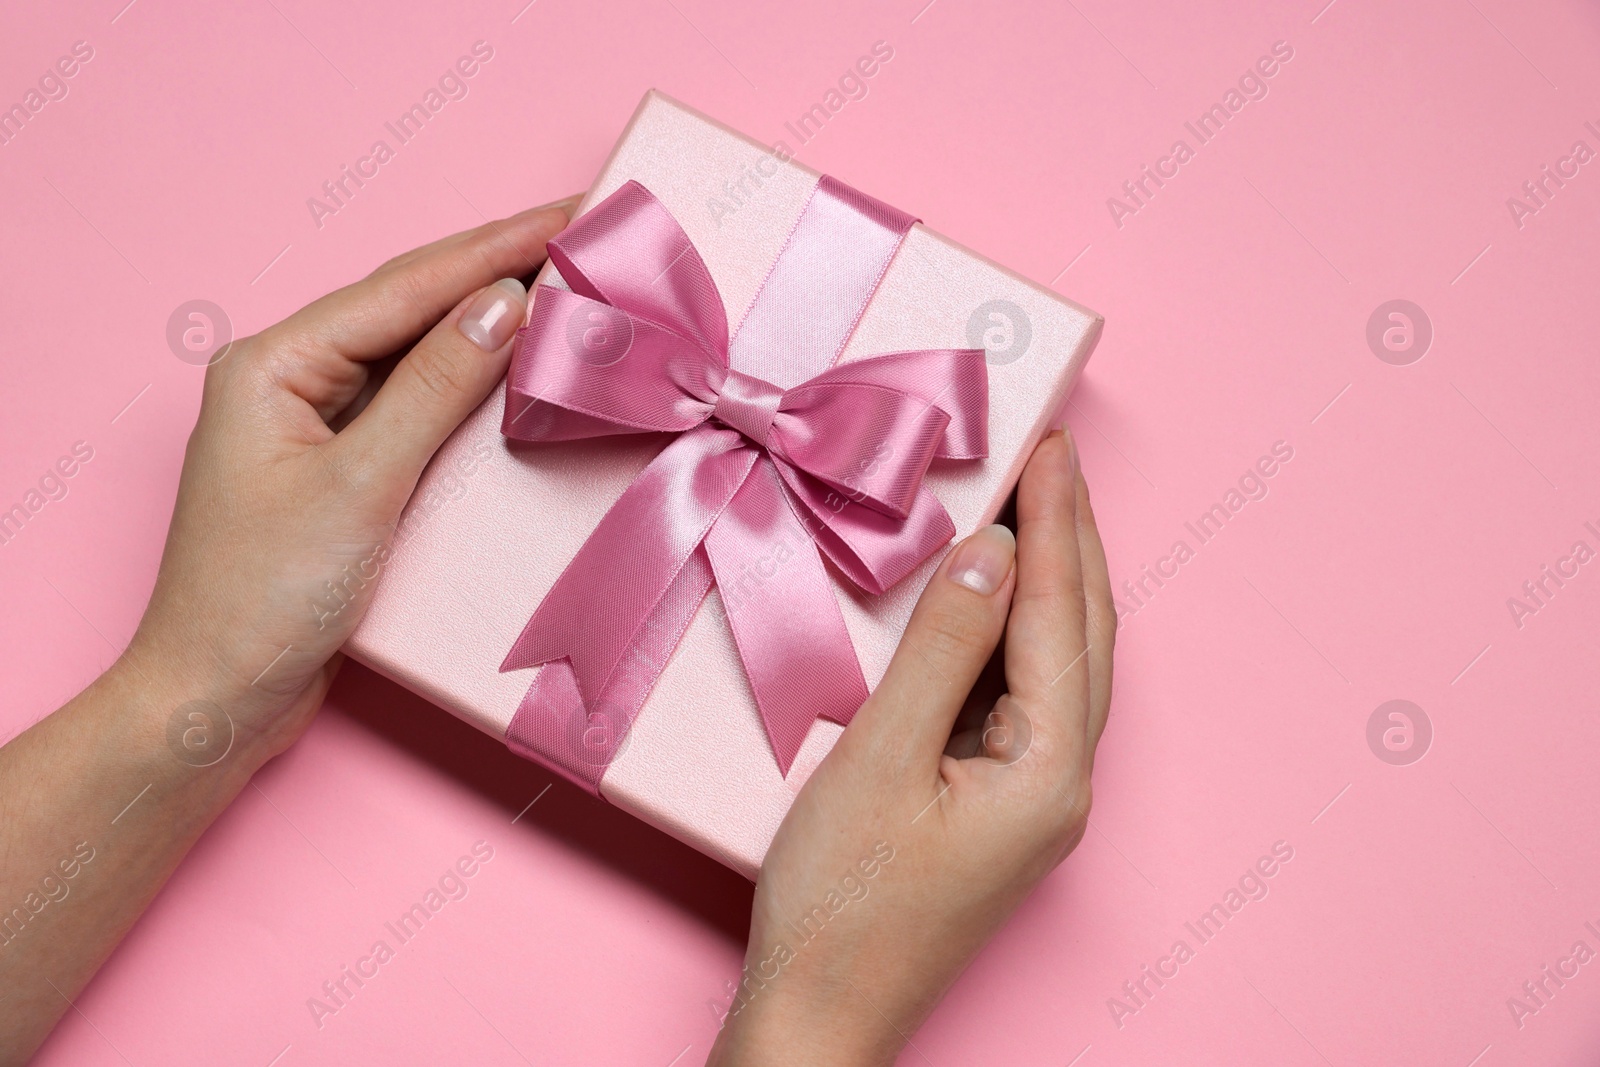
491	319
982	561
1072	449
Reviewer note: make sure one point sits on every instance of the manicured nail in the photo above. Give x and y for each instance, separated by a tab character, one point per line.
982	561
494	316
1072	450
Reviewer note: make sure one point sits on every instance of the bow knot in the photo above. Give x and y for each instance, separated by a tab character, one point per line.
747	404
781	459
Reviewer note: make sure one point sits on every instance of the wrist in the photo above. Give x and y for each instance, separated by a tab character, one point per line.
192	723
254	686
801	1025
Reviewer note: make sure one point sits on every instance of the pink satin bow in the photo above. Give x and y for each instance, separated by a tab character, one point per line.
778	454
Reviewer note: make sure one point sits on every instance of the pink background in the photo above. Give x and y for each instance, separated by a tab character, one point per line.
1378	567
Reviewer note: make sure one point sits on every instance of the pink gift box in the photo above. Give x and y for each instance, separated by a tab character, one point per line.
491	527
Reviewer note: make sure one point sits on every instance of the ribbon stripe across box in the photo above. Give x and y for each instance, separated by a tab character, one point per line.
669	558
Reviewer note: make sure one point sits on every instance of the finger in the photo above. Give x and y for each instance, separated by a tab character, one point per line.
328	343
567	205
1046	663
1007	732
1101	614
952	633
990	686
437	384
390	309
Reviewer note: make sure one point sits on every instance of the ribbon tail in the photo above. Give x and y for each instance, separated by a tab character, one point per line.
554	726
784	616
608	625
612	585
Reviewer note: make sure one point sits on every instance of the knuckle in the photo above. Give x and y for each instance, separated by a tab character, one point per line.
489	248
411	288
498	255
243	352
390	264
1082	799
952	633
1072	815
440	376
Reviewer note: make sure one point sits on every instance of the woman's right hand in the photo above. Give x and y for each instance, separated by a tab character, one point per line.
915	840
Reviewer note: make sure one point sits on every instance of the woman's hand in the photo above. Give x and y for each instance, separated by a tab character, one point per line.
916	839
299	466
293	482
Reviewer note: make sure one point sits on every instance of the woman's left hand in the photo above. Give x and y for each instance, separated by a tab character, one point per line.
294	479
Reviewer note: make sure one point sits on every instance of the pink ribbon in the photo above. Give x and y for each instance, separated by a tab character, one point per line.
781	459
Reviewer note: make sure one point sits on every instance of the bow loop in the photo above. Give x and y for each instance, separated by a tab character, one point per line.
584	368
873	550
954	380
629	252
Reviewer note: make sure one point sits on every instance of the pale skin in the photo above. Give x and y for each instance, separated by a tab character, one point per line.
974	816
311	436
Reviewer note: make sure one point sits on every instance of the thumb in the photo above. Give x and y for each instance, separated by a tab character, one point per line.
952	633
440	381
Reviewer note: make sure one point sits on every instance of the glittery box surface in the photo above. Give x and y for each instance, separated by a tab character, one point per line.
491	526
